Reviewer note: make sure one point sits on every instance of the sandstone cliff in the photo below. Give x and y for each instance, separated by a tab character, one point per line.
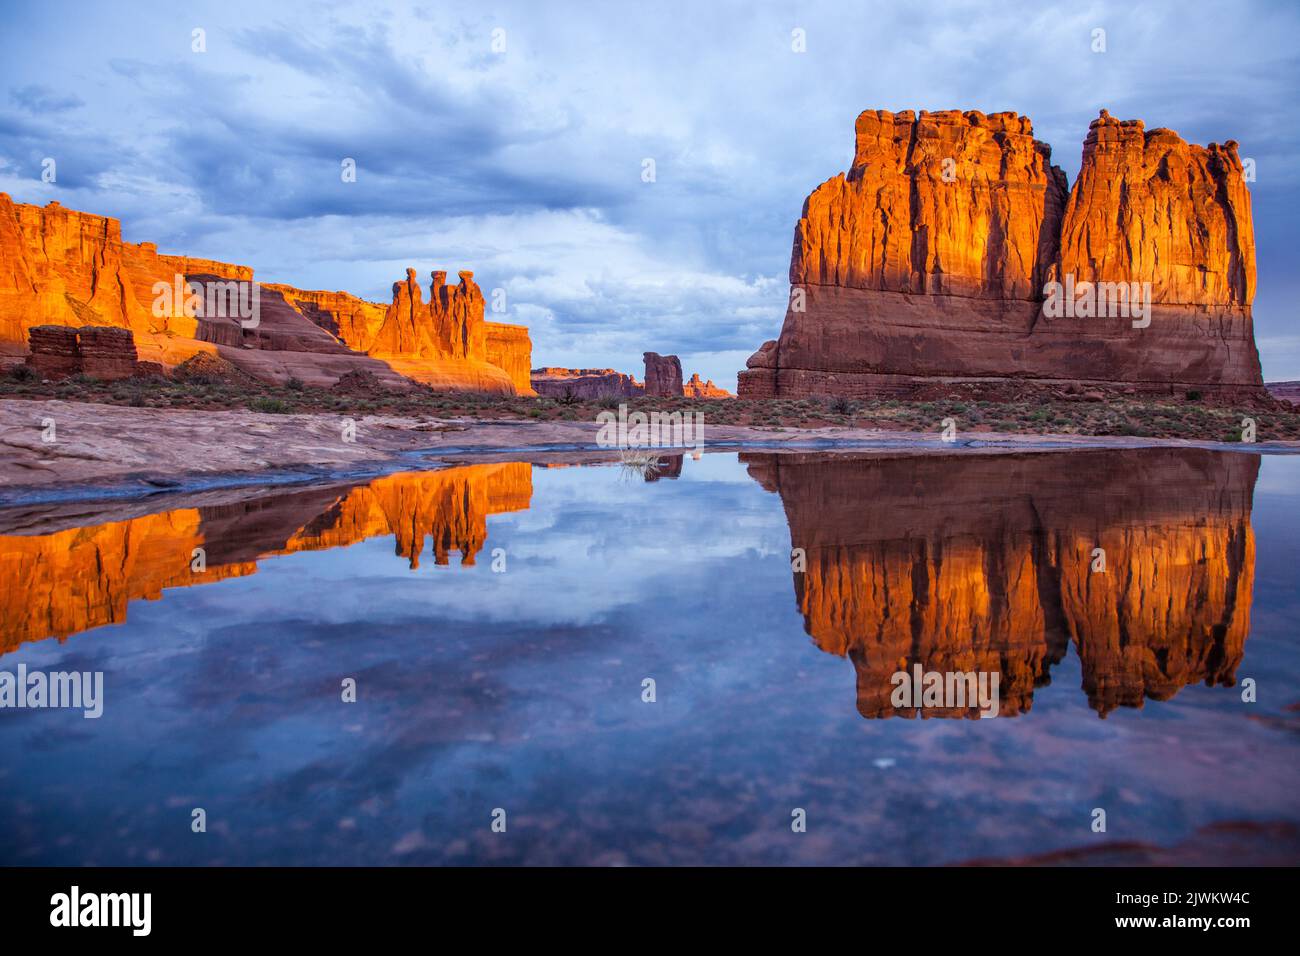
930	572
510	349
931	259
62	267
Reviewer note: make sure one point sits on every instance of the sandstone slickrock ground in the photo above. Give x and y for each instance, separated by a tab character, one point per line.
929	259
98	444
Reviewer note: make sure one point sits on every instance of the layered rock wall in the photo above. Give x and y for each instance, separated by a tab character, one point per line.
103	352
62	267
510	349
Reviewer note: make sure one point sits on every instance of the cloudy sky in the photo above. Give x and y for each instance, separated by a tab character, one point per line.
525	164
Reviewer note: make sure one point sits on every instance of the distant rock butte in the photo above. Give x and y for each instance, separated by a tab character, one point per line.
596	383
584	383
694	388
929	259
67	268
1287	391
663	375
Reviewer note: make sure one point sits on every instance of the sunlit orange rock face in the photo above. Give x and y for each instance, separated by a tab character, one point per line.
930	260
510	349
62	267
984	563
65	581
694	388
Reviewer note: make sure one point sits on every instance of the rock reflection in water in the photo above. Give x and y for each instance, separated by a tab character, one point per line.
985	563
63	581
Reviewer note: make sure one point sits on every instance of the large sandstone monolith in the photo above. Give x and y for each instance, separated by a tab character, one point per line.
663	376
931	259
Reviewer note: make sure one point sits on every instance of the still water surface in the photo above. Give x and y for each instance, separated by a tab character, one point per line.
500	620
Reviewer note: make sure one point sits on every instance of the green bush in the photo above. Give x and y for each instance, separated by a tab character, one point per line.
272	405
23	373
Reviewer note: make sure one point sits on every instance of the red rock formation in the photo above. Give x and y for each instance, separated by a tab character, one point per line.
663	375
1286	391
510	349
351	320
101	352
55	353
928	572
62	267
930	259
107	353
694	388
585	383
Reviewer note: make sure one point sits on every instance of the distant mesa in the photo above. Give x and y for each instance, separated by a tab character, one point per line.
584	383
1286	391
59	267
663	378
929	259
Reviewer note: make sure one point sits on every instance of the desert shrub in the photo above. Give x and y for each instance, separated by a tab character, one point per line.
23	373
272	405
843	406
295	384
